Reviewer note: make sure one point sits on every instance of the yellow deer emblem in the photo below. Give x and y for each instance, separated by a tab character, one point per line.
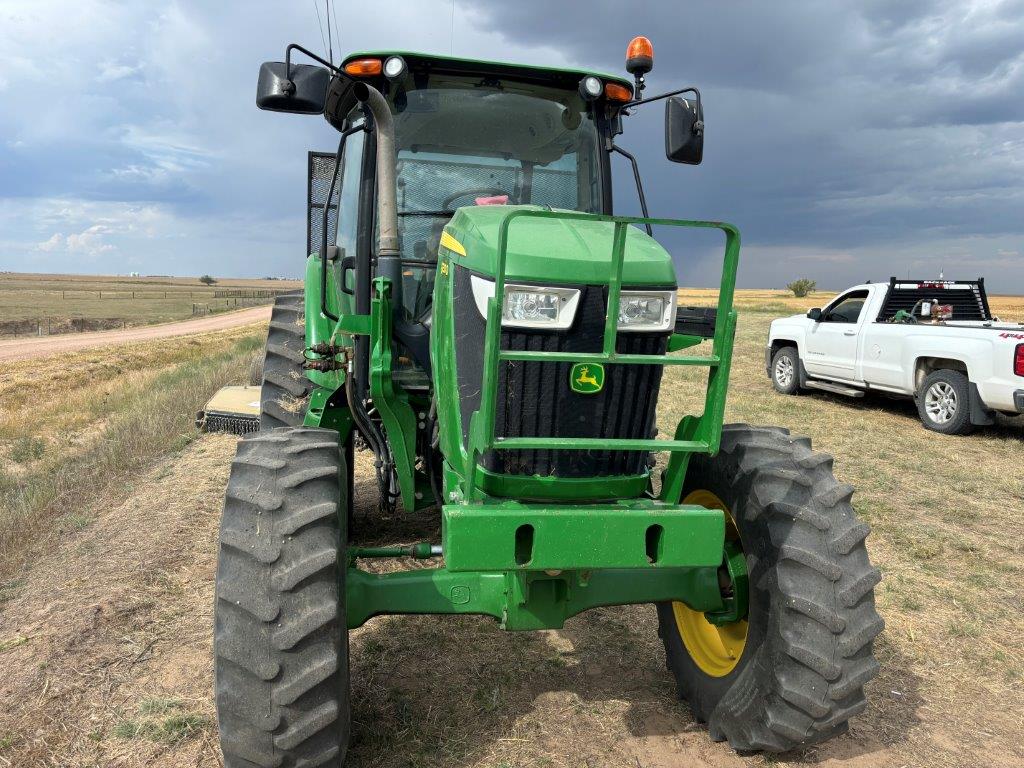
586	379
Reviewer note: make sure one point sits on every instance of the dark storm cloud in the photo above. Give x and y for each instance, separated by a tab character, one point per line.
873	128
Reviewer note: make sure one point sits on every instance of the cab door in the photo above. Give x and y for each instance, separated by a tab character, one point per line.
832	341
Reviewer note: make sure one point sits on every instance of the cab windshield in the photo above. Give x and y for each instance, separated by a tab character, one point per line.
463	141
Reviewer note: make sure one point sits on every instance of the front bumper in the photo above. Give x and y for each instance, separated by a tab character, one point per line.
632	533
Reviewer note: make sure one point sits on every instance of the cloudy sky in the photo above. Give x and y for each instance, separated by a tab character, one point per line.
848	140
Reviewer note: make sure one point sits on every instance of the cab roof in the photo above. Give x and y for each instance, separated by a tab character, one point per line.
527	72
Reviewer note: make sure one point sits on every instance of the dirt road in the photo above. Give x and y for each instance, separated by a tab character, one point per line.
23	349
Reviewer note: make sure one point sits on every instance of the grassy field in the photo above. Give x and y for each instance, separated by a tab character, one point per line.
67	439
62	303
105	635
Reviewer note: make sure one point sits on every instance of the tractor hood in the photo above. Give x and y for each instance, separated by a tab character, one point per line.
542	250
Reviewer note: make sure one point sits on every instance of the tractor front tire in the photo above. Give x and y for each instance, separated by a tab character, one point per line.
285	391
280	636
792	674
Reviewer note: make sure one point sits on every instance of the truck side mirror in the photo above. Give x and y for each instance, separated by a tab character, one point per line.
684	130
302	90
814	314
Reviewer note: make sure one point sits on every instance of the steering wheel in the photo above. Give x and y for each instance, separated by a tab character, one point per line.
479	191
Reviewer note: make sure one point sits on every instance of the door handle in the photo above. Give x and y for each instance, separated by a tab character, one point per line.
849	333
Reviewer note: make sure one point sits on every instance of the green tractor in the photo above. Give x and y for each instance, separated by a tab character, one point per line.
476	316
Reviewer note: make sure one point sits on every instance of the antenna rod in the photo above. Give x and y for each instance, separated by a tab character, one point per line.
330	40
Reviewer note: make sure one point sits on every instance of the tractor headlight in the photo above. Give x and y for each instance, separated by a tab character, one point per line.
529	306
646	310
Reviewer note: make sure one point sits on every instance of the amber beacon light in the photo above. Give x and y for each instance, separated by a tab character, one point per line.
639	56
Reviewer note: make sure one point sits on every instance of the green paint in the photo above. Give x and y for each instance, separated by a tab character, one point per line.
392	402
516	536
524	600
556	248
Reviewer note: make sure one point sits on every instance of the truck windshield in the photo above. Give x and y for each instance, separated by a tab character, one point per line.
463	142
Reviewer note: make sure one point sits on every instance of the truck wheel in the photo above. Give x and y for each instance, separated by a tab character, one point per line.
285	391
944	403
792	672
280	638
786	371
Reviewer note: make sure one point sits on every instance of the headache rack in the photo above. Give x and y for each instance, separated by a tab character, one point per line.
694	434
966	297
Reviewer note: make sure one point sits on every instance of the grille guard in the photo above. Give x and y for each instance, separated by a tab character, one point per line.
694	434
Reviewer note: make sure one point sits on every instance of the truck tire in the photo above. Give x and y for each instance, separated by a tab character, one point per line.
284	396
280	637
792	674
786	371
944	403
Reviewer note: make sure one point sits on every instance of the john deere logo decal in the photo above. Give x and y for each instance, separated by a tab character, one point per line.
586	378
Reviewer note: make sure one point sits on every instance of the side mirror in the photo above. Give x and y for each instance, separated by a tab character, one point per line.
814	314
684	131
304	93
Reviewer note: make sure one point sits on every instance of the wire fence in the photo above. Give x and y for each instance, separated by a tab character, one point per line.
120	295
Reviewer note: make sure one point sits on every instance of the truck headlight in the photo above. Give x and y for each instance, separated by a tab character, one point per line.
646	310
529	306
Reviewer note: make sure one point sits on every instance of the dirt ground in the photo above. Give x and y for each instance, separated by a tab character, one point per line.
24	349
106	641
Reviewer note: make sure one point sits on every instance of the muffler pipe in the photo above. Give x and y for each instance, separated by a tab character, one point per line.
389	263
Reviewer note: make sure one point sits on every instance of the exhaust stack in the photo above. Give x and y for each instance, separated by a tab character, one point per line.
389	263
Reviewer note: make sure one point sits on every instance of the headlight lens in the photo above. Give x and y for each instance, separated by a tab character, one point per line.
529	306
646	310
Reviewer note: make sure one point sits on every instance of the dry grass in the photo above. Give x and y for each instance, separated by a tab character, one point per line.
71	437
116	300
99	635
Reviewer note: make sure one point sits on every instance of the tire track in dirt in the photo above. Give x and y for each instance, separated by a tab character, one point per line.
42	346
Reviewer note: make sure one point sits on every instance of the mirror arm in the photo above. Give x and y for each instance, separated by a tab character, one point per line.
297	47
639	184
698	127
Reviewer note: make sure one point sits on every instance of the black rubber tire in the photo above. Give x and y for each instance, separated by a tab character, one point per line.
812	618
793	388
280	637
285	391
960	424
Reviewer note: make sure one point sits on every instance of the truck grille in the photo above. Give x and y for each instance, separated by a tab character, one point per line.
534	398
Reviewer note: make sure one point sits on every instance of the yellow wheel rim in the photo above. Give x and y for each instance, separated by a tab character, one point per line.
715	650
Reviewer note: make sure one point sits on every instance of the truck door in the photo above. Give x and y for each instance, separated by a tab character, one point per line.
832	341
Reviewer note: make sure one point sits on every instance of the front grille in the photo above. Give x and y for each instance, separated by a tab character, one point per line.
535	400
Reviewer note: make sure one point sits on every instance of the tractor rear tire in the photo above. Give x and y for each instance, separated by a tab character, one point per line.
284	396
280	636
793	673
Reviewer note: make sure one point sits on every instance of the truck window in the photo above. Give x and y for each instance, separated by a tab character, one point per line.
846	309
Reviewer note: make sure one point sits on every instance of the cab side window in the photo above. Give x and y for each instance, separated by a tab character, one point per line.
846	309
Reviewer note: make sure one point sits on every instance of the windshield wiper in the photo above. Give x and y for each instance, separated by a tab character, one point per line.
426	213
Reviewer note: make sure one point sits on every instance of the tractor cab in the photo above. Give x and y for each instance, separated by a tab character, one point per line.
467	134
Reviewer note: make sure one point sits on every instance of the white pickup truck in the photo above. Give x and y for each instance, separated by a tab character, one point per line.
933	340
